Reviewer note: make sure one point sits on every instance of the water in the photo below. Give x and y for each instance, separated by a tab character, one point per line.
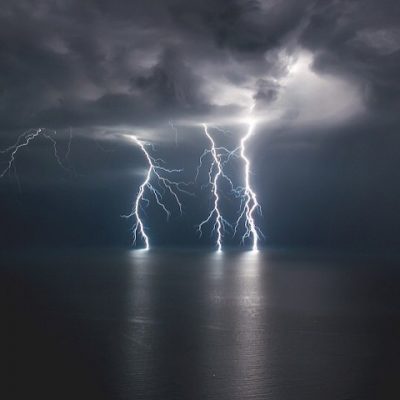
199	325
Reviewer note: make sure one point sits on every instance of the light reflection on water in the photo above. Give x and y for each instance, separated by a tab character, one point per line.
171	324
207	304
241	325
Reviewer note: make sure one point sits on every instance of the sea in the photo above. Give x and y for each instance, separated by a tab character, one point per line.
279	324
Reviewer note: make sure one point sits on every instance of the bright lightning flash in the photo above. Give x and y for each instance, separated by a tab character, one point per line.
249	200
25	140
215	173
165	184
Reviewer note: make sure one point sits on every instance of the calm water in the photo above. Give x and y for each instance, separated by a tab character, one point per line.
200	325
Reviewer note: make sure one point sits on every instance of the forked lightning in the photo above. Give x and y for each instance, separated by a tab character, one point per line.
166	184
249	204
213	180
248	198
25	140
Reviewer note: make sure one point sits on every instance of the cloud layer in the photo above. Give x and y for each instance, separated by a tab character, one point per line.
65	63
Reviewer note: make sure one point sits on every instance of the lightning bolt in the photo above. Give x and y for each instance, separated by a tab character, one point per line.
24	140
220	157
215	173
249	203
155	171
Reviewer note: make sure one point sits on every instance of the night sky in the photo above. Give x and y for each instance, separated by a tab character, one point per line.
322	77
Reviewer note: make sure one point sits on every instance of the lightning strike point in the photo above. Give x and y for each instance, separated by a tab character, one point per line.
219	222
166	184
250	204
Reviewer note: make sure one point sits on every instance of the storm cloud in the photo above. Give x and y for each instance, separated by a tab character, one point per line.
66	63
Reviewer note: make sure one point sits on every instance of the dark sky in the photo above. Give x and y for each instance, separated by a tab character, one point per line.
322	79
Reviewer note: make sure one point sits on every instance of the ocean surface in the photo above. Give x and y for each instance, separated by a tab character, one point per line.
192	324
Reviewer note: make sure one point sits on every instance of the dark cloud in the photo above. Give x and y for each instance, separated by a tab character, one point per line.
361	40
102	63
267	91
248	27
68	63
